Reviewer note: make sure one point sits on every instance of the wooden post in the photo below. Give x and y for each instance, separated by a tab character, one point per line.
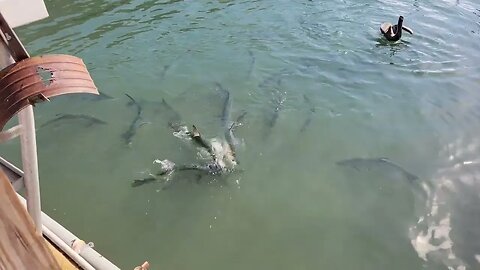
30	165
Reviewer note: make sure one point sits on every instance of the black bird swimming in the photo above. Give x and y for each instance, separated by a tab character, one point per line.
394	32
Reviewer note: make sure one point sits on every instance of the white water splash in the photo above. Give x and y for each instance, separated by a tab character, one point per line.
166	166
182	133
454	183
224	154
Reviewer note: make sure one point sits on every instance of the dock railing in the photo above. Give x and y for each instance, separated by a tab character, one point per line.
18	99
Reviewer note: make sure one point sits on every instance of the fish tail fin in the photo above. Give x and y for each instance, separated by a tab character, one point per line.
132	100
220	87
234	125
139	182
411	177
143	123
303	128
195	132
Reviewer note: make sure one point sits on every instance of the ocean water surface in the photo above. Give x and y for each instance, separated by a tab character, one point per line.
318	84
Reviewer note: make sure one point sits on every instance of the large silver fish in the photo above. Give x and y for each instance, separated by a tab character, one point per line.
371	163
86	119
311	111
136	123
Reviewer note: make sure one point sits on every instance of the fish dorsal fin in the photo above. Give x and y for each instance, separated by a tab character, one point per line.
131	100
194	129
195	132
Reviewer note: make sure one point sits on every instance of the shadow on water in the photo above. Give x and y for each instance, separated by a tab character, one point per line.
393	47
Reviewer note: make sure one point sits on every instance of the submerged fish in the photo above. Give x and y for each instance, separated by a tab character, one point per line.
164	71
136	123
252	63
86	119
274	81
223	151
139	182
223	156
198	139
174	118
103	96
238	121
90	97
278	101
167	167
273	85
229	126
311	111
369	163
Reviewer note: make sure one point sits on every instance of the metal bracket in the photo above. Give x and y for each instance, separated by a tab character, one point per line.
15	46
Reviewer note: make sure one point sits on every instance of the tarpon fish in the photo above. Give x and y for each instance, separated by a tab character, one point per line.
164	71
173	117
252	63
167	67
274	81
168	167
86	119
89	97
273	85
223	152
102	96
368	163
139	182
200	141
223	156
311	111
228	125
278	102
176	124
136	123
197	137
238	121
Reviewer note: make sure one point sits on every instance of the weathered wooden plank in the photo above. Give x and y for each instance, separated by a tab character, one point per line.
13	174
62	259
20	246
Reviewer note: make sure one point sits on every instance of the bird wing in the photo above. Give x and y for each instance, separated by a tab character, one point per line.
385	27
407	29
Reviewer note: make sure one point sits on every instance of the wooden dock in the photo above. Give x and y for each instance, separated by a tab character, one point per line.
30	239
21	247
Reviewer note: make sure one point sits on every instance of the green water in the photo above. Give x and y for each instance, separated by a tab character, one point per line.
288	206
